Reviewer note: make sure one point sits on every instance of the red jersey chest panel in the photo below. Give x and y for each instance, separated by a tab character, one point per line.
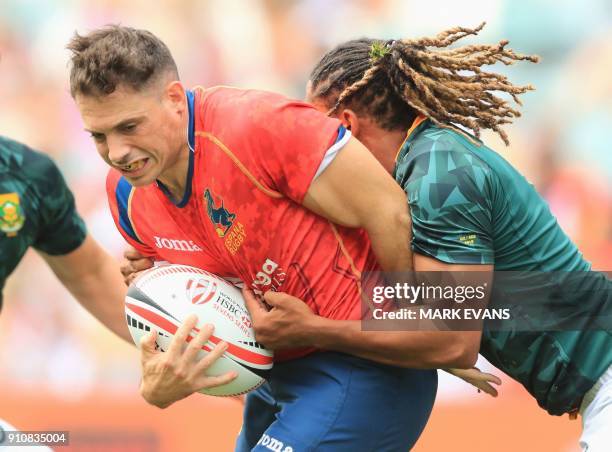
173	233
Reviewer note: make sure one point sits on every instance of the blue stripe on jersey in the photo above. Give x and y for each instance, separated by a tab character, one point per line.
183	202
191	124
341	132
191	140
122	194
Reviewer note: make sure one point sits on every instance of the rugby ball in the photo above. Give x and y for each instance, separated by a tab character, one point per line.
162	297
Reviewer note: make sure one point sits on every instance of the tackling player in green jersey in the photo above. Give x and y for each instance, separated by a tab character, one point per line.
471	210
37	210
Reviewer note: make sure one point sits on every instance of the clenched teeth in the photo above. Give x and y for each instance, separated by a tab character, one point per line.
134	166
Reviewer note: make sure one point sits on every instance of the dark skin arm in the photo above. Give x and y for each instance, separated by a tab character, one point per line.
290	323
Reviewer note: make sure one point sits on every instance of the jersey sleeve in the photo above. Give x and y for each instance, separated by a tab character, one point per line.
119	193
61	228
290	141
450	203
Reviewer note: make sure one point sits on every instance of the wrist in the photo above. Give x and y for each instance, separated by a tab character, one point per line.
151	399
318	330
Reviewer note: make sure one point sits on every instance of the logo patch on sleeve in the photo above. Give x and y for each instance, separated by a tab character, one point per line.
12	217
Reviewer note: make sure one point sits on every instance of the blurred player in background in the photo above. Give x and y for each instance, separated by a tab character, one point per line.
37	210
471	210
250	185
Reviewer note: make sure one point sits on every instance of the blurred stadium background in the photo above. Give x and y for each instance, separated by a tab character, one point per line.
59	370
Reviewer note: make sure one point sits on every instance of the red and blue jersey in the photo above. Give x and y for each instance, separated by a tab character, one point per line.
253	157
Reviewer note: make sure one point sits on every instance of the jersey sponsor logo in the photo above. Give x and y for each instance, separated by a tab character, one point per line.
173	244
201	291
271	443
222	219
271	277
12	217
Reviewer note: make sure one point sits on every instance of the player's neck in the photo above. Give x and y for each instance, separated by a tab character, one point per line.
383	144
175	177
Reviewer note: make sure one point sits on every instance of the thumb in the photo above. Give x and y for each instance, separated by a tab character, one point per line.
253	304
147	344
131	253
274	298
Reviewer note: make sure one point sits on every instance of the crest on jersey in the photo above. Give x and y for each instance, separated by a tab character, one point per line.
200	291
11	214
221	218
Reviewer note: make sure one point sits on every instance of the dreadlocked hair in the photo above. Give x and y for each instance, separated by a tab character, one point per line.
394	81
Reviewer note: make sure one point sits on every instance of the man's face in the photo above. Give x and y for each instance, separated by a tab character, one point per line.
138	133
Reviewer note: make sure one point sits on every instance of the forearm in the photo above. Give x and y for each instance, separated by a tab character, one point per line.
390	231
102	293
92	276
415	349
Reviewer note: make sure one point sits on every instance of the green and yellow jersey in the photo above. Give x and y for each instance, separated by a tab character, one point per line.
470	206
36	207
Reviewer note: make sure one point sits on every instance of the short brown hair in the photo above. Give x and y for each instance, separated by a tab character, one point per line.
116	55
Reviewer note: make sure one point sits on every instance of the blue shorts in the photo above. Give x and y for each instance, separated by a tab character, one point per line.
330	401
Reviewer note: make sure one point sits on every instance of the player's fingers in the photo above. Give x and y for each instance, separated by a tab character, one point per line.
211	382
487	388
477	374
197	343
131	269
131	277
126	268
147	344
132	253
212	356
491	378
255	307
176	345
142	264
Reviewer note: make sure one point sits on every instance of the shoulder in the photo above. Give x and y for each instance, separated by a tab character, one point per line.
221	94
33	169
444	156
255	106
25	161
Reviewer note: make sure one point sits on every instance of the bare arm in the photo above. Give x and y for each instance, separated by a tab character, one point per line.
356	191
92	276
291	324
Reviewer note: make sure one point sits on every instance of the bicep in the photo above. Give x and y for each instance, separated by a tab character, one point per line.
451	210
61	229
354	190
79	263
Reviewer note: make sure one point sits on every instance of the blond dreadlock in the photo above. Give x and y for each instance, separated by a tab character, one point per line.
446	85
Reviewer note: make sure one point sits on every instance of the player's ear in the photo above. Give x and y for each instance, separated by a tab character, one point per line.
174	93
350	120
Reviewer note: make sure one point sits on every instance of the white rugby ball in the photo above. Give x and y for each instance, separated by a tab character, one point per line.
162	297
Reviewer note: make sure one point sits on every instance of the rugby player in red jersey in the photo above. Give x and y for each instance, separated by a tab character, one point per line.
250	185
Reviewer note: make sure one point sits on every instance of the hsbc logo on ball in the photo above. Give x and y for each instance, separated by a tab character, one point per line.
201	291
